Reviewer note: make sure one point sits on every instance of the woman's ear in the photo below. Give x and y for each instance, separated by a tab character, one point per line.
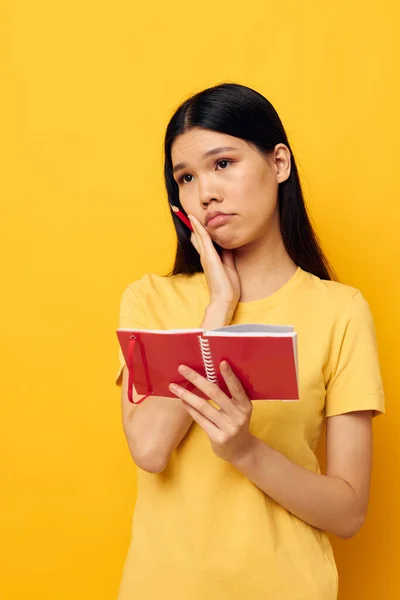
282	162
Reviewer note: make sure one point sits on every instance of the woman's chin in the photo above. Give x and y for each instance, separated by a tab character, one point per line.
228	241
228	244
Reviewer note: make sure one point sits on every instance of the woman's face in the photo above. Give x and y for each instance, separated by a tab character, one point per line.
218	172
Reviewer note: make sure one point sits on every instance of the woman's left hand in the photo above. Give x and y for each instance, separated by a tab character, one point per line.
227	428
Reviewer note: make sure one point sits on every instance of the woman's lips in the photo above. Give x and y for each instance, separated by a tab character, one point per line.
219	220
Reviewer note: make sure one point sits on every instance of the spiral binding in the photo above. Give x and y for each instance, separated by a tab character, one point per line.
207	359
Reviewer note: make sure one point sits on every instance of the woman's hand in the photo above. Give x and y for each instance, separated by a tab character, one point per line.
221	275
227	428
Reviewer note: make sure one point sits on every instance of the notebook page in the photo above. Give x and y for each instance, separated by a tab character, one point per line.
251	328
252	331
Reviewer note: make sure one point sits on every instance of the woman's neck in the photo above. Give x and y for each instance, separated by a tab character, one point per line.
263	267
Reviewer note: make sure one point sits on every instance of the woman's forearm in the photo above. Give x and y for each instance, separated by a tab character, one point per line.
155	428
328	503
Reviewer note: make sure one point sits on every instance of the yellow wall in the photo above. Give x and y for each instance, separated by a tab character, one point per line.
87	89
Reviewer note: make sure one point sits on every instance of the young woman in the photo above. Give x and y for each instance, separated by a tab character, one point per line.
231	502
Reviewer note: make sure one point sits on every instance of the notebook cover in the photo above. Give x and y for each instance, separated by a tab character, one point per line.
158	355
265	365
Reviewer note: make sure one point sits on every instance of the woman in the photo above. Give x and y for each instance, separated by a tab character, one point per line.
231	503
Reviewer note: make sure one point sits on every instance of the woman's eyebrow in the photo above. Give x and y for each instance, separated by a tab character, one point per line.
180	166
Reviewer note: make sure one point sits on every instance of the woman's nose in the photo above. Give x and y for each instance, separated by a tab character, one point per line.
208	194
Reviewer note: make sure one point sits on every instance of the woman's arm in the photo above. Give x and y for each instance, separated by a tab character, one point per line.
154	428
335	502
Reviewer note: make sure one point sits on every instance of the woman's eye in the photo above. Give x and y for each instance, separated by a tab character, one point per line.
223	162
187	178
184	179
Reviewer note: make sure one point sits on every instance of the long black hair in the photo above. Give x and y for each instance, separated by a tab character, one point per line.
242	112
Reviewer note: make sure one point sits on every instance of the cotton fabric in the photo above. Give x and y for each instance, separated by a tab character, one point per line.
201	530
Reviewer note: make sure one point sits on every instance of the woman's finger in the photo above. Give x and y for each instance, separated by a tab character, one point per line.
197	241
199	404
235	386
203	236
210	429
194	242
211	390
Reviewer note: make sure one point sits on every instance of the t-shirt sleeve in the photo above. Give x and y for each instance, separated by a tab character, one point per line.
131	314
355	382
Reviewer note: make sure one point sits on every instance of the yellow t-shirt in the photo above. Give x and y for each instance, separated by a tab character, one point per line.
201	529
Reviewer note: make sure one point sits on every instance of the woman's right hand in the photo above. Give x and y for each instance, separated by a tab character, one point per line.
220	272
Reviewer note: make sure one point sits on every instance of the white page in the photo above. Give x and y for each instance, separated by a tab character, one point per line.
254	329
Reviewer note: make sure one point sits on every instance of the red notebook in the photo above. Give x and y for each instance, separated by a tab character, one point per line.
264	357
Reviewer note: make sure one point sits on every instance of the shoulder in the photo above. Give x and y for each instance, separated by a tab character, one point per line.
334	296
337	310
167	302
164	286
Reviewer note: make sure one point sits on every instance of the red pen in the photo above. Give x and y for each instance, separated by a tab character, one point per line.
182	217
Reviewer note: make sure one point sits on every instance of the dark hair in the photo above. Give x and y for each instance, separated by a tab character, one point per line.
242	112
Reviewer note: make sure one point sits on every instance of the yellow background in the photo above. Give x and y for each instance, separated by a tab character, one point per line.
87	90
